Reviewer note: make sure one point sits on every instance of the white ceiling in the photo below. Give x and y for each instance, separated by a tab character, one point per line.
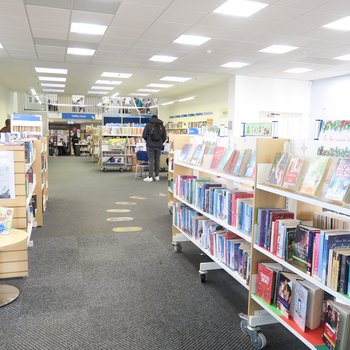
36	33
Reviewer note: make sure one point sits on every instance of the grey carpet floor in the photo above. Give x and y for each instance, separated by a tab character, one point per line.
92	288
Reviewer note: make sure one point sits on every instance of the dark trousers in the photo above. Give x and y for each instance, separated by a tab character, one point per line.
154	160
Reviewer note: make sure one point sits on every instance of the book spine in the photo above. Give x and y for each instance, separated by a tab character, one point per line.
316	256
320	258
310	251
344	274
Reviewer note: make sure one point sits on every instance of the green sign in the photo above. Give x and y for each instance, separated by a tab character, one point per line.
258	129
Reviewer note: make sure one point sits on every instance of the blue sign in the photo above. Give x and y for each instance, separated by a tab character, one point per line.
193	131
29	117
81	116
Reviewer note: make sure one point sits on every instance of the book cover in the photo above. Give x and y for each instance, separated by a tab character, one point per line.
250	171
241	163
293	172
234	197
300	305
338	189
301	244
6	218
344	272
198	155
232	162
284	295
218	154
315	175
277	170
184	152
7	175
225	159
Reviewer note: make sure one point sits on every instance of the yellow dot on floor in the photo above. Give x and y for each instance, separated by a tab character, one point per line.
137	197
127	229
126	203
118	210
125	218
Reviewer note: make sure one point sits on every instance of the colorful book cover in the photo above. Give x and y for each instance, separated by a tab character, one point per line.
184	152
284	293
293	171
303	239
331	325
234	211
242	161
225	159
300	305
6	217
315	175
232	161
338	189
218	154
198	155
250	171
278	168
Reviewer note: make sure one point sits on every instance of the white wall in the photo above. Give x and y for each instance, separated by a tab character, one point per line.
254	95
211	99
4	105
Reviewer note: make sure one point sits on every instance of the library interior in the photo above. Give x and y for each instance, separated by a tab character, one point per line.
174	174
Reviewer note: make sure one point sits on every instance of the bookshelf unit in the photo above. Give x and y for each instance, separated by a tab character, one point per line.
44	172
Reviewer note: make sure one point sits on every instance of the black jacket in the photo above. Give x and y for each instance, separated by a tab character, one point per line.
146	134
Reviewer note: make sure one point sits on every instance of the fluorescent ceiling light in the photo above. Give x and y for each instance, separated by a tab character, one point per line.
340	24
115	95
138	94
81	52
102	87
116	75
343	58
240	8
279	49
1	47
53	79
86	28
235	64
160	85
160	58
33	91
186	99
108	82
53	90
191	40
178	79
51	70
298	70
148	90
53	85
98	92
167	103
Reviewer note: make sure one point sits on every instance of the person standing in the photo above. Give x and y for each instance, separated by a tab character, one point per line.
154	134
7	127
75	140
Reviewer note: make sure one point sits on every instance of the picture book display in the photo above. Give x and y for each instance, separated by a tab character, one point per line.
339	187
250	171
242	162
293	172
6	218
315	175
225	159
277	170
198	155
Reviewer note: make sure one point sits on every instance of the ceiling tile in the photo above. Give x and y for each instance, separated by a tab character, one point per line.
195	5
182	16
50	42
302	4
91	17
63	4
50	34
99	6
335	7
84	38
143	10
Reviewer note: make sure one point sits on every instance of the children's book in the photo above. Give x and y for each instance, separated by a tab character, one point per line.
198	155
242	161
315	175
250	171
339	187
293	173
184	152
218	154
225	159
277	170
6	217
232	161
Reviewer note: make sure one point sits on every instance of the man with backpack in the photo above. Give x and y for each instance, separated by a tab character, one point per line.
154	134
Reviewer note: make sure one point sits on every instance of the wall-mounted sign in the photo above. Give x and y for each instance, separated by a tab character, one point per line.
81	116
258	129
335	130
27	117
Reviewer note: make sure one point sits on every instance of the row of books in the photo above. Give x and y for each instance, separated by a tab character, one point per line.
233	206
232	161
122	130
308	175
305	303
229	248
130	141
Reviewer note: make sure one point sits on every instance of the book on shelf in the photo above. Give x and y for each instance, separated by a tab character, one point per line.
245	215
300	305
293	174
343	284
241	163
277	170
284	296
232	162
6	219
185	152
327	220
336	326
232	203
225	159
217	157
339	187
250	170
198	155
315	176
283	238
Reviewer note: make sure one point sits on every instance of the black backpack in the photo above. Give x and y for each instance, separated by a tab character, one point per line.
156	132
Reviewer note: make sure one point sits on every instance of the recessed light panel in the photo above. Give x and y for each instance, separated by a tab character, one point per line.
53	90
1	47
343	58
168	103
160	85
278	49
53	85
160	58
51	70
240	8
81	52
86	28
63	80
177	79
340	24
235	64
186	99
148	90
108	82
98	92
195	40
102	87
298	70
116	75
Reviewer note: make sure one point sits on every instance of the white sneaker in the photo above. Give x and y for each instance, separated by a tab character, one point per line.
148	179
157	178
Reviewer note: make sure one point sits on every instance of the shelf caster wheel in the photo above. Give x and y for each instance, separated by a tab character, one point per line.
244	327
177	247
258	340
203	276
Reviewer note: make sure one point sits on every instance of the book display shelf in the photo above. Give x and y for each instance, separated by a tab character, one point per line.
292	206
